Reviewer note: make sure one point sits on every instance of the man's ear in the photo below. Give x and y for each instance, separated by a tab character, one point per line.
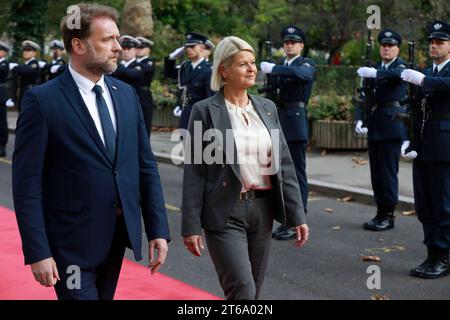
78	46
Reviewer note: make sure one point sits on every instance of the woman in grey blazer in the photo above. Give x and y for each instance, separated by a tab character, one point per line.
238	175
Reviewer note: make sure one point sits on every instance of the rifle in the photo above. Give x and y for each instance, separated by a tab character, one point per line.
366	99
269	87
412	118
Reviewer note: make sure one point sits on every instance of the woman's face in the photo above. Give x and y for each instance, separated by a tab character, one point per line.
242	71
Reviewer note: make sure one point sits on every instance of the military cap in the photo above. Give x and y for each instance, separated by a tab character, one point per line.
293	33
388	36
4	46
57	44
145	43
28	44
193	38
209	44
439	30
129	42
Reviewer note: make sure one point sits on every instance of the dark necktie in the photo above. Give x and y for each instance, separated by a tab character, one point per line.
107	125
435	72
383	67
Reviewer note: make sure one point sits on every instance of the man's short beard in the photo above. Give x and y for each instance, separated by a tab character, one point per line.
96	64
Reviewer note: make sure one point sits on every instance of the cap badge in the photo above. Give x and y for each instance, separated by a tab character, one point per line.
388	34
291	30
189	36
438	26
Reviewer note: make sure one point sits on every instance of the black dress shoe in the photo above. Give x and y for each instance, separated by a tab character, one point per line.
2	152
438	265
284	234
417	271
381	222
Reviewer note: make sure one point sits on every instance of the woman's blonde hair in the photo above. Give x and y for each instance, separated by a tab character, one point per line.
223	55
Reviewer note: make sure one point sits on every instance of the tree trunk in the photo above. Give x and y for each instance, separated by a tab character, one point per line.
137	18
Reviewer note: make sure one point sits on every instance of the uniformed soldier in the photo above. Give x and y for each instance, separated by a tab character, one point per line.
385	133
143	52
58	64
4	97
194	76
27	75
431	167
293	81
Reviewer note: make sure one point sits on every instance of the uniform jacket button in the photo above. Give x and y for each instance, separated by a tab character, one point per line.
224	184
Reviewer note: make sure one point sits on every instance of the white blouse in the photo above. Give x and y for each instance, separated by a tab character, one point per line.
253	146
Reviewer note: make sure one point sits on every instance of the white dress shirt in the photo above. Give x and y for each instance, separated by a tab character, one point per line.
440	66
253	146
127	63
85	87
194	65
288	62
387	65
141	59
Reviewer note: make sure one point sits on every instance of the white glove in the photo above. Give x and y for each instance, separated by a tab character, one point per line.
9	103
412	76
410	155
54	69
267	67
359	129
177	111
42	64
176	53
12	65
366	72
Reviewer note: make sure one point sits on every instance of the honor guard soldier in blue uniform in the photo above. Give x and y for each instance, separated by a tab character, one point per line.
385	134
58	64
431	166
27	75
293	81
143	52
194	76
4	97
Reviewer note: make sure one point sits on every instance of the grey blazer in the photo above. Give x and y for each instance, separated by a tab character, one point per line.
211	191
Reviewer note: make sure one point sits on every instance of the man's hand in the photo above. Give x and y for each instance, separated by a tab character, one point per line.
194	244
42	64
359	129
12	65
410	155
45	272
176	53
412	76
366	72
160	245
267	67
302	232
9	103
177	111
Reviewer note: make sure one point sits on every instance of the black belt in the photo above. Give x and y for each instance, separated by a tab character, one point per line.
390	104
253	194
288	105
437	116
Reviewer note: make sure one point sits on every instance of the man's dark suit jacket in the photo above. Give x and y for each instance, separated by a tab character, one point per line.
66	190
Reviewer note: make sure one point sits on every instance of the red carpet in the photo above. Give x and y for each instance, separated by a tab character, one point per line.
135	283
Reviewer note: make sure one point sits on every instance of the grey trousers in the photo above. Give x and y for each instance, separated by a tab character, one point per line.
240	252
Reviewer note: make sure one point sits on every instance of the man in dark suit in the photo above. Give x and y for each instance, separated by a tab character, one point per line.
83	170
194	76
431	166
293	83
385	134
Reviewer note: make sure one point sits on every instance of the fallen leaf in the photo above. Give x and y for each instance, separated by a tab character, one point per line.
346	199
336	228
379	297
329	210
370	259
359	161
409	213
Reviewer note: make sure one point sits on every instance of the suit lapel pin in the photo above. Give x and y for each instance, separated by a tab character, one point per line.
268	113
114	87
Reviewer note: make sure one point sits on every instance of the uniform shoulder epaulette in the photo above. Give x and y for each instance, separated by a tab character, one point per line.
138	67
307	62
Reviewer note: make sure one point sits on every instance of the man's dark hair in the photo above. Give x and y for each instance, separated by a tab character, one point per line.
87	13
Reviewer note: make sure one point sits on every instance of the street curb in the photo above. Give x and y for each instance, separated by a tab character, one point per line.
328	189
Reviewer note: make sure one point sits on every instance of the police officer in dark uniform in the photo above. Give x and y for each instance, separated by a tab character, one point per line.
143	52
431	167
194	76
27	75
4	97
58	64
293	81
385	134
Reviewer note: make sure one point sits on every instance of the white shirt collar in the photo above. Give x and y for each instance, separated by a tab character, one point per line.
84	84
387	65
440	66
142	58
127	63
194	65
29	60
291	60
1	60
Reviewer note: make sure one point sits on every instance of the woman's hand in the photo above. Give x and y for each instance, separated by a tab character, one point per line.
302	232
194	243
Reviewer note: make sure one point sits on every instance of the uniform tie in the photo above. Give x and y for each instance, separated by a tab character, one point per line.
435	72
107	125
